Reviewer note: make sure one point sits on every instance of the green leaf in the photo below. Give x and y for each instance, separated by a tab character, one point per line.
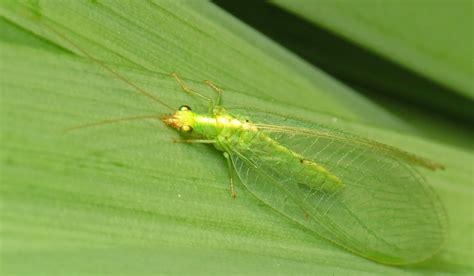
123	198
432	38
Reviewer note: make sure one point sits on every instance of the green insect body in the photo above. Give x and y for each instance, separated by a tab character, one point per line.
363	195
233	134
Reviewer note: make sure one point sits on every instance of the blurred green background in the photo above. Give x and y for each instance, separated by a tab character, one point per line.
123	199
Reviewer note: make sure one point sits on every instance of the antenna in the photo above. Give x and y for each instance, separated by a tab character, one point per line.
113	72
111	121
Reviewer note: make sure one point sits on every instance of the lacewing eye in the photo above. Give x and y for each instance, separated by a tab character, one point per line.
184	108
186	129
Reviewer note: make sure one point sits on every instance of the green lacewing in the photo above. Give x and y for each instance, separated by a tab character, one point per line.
362	195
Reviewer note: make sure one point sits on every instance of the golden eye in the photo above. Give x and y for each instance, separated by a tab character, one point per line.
184	108
186	129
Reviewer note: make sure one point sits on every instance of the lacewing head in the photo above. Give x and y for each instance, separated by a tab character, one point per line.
182	120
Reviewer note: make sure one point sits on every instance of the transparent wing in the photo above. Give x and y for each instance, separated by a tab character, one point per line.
385	211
